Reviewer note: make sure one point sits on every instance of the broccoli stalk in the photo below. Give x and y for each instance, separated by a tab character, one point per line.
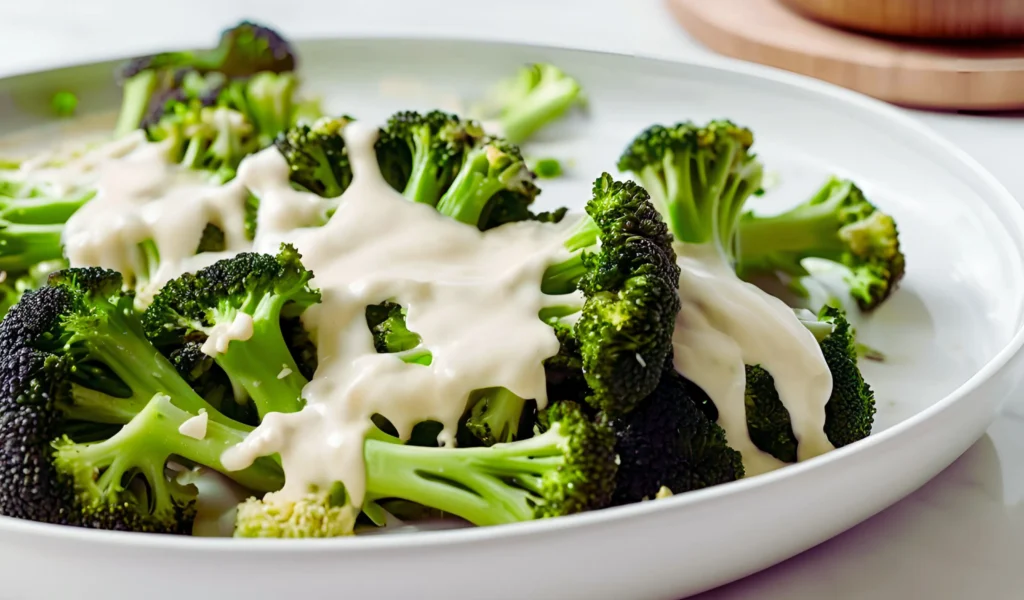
566	469
569	468
145	444
249	293
837	224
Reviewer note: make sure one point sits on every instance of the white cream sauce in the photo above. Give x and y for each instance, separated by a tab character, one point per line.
473	297
222	334
726	323
195	427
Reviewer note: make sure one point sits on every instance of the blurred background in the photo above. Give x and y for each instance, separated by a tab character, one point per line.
913	549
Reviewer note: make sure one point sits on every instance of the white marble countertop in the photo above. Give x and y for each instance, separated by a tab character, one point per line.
961	536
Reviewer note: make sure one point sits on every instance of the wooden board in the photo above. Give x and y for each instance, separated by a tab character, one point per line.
953	77
946	19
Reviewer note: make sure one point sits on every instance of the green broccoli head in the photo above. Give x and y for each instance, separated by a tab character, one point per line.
420	153
699	177
317	156
669	440
837	224
317	514
235	308
622	262
849	413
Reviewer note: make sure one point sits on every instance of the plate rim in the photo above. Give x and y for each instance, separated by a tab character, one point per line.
997	198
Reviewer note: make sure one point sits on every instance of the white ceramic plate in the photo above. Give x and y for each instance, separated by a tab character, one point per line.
952	336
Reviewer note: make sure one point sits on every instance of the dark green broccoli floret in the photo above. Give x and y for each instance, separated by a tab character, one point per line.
243	52
492	181
420	153
90	412
246	293
623	264
670	441
849	413
538	94
317	156
837	224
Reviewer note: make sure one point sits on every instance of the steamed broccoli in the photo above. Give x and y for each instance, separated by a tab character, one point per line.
837	224
671	440
244	51
849	413
421	153
622	262
234	308
317	157
90	414
538	94
569	468
700	177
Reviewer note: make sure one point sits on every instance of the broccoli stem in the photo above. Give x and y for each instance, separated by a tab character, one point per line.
135	101
152	437
117	342
561	278
263	364
423	185
23	245
495	416
769	241
485	486
472	190
42	210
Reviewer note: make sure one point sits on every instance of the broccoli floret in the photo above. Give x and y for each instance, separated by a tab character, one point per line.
669	440
849	413
538	94
420	153
622	262
208	138
492	181
235	308
244	51
90	414
317	156
698	177
318	514
837	224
